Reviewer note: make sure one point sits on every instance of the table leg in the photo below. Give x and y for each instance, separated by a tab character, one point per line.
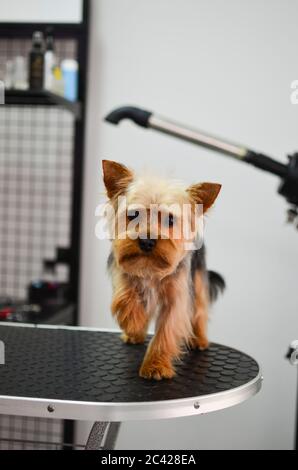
103	436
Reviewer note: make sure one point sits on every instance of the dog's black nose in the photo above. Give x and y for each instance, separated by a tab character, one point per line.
147	245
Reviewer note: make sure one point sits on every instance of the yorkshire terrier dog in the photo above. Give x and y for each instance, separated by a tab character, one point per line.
156	273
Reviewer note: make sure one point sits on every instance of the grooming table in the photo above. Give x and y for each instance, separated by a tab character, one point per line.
91	375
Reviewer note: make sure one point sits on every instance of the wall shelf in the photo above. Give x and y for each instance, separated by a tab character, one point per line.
41	98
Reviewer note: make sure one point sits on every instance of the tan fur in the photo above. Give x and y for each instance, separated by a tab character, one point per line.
204	193
128	309
157	285
116	178
173	328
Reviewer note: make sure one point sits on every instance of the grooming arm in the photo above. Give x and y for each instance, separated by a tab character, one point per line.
287	172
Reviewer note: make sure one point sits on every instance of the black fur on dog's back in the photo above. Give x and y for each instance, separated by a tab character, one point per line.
215	281
216	285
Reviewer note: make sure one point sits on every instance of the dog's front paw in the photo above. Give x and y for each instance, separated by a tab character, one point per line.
157	370
199	343
133	339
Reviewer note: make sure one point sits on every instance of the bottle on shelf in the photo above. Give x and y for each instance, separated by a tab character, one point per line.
20	73
50	62
9	75
36	62
58	83
70	70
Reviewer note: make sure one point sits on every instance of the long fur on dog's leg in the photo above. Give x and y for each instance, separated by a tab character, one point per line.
129	312
173	328
200	318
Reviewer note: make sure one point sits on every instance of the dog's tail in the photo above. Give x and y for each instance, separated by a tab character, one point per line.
216	285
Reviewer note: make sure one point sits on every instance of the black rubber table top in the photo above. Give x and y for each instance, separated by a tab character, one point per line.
96	366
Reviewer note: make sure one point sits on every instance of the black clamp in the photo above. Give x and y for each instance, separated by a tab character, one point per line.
292	353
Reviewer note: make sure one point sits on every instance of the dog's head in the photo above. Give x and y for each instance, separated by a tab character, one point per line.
155	220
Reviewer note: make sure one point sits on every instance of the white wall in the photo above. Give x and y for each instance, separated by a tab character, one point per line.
225	67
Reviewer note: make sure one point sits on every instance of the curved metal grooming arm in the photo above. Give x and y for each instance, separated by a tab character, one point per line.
287	172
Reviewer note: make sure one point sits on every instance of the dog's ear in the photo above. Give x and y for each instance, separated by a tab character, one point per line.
116	178
204	193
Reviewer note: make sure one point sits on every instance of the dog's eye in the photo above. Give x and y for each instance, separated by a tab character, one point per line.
133	215
171	220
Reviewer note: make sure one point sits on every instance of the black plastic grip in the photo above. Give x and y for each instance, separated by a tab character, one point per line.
137	115
266	163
